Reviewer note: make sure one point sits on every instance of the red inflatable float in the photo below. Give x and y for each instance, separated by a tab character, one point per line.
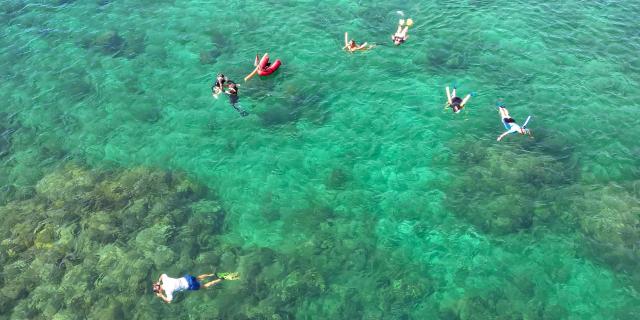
263	68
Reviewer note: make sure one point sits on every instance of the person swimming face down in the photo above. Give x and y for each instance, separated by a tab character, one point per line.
456	104
519	129
401	34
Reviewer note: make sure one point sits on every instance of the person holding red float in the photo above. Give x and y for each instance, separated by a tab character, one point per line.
264	67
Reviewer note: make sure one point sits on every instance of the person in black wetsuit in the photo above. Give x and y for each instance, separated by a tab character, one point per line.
456	103
232	91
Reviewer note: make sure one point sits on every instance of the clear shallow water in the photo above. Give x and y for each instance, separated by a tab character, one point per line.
348	192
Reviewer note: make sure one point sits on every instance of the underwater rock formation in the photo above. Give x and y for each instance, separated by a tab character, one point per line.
5	140
500	191
87	235
610	220
294	104
503	193
111	43
209	56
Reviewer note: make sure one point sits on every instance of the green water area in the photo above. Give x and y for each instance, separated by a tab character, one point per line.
350	190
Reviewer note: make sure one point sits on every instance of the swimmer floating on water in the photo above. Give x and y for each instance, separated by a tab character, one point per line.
263	67
351	46
218	86
455	102
510	124
401	34
232	91
170	285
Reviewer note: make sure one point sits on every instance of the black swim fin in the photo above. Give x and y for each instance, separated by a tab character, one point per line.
241	111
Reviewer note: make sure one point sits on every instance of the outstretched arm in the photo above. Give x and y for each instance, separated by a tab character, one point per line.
502	135
161	296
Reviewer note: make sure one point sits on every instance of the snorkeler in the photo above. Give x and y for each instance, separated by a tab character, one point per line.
232	91
171	285
455	102
351	46
401	34
218	86
510	124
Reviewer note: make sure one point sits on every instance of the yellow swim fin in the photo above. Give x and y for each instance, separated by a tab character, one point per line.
229	275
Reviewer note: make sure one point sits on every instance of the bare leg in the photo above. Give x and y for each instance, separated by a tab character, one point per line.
504	113
211	283
404	32
204	276
453	93
448	95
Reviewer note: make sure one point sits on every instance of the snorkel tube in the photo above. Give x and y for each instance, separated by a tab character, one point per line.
524	127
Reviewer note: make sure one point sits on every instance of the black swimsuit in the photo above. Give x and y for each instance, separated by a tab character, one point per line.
233	93
218	84
455	104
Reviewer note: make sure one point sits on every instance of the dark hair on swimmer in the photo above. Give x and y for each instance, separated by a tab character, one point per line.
220	75
156	288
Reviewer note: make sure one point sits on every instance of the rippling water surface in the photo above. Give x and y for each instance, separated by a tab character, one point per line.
348	192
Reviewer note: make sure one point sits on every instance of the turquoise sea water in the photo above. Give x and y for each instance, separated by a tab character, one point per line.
348	192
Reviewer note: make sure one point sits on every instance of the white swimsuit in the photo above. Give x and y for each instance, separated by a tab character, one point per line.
171	285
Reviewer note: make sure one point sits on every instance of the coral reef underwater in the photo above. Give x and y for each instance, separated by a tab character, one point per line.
88	244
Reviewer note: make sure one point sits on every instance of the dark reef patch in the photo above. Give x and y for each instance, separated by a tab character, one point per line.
293	105
502	191
7	128
83	234
112	43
